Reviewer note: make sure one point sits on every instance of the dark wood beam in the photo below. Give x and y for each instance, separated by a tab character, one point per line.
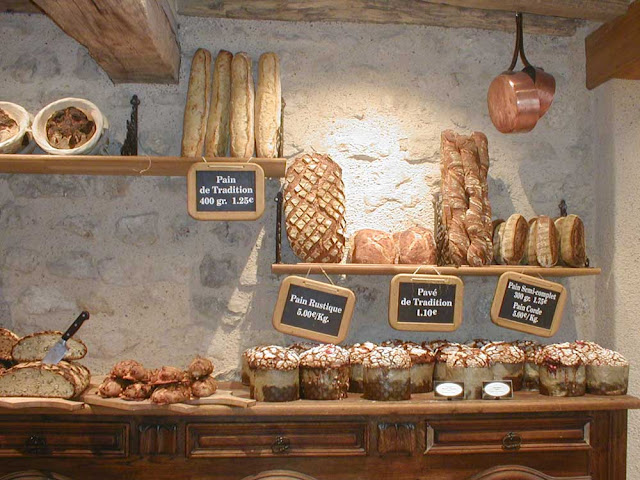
134	41
613	51
410	12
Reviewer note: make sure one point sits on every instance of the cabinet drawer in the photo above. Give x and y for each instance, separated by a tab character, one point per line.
276	439
507	435
64	439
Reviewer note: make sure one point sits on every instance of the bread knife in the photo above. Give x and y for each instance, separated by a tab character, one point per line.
57	352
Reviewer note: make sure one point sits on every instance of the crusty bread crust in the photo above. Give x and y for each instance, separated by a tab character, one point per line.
7	340
242	105
196	107
268	106
37	379
217	139
34	347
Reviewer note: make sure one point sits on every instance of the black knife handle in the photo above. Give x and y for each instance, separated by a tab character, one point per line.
75	326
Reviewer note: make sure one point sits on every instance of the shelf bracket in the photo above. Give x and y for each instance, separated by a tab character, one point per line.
130	145
278	201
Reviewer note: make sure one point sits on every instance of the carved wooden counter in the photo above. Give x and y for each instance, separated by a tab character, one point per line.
581	438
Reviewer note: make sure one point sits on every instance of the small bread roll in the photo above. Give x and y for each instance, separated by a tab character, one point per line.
268	106
200	367
197	105
514	239
242	102
168	394
216	141
205	387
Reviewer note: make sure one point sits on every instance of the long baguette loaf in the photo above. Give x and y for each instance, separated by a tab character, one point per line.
546	242
572	242
36	379
216	141
242	104
34	347
268	106
196	107
7	340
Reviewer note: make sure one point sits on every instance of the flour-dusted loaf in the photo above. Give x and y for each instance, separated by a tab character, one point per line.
36	379
373	246
268	106
112	387
572	242
216	141
205	387
547	242
514	239
242	105
34	347
416	245
200	367
167	375
8	339
196	107
531	253
167	394
137	392
314	208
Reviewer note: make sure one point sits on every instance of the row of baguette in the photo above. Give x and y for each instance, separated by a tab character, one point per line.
223	112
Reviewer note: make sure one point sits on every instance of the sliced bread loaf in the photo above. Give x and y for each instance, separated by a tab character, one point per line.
36	379
7	340
34	347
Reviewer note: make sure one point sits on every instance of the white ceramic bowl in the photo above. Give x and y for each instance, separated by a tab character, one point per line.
23	119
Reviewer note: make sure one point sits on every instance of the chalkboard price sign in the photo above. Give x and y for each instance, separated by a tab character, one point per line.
225	191
528	304
314	310
427	303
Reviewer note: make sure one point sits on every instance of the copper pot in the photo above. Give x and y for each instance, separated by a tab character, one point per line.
545	85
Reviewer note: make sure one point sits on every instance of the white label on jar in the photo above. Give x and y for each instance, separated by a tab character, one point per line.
449	389
497	389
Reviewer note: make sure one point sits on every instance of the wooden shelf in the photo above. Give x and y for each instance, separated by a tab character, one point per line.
117	165
361	269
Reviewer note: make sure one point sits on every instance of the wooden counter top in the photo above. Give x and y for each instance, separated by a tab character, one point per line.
420	404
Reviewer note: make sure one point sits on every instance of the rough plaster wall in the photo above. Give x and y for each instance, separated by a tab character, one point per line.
162	287
618	225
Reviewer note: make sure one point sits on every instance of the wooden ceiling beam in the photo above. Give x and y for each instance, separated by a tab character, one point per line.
412	12
134	41
597	10
613	50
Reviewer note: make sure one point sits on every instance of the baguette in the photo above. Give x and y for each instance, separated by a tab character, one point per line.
546	242
37	379
216	141
242	102
197	105
514	239
268	106
34	347
572	242
7	341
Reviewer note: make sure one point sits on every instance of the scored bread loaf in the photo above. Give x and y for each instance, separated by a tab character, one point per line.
196	107
546	242
514	239
416	245
37	379
572	242
216	141
34	347
531	253
498	233
559	222
7	341
268	106
373	246
314	208
242	104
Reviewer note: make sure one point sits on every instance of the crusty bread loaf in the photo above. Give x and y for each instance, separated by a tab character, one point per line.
514	239
531	253
175	393
36	379
216	141
34	347
242	104
112	387
559	222
137	392
416	245
268	106
7	341
572	242
498	233
196	107
200	367
130	370
373	246
167	375
546	242
205	387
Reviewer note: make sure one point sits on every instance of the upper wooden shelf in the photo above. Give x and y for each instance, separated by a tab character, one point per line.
361	269
116	165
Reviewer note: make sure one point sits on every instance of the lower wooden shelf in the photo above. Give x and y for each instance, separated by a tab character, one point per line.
120	165
375	269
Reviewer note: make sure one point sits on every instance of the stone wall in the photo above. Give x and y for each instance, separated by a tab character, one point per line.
617	108
162	287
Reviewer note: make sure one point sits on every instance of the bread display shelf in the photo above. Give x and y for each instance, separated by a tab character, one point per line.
362	269
121	165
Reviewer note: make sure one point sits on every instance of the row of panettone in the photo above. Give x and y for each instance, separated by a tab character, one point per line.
395	369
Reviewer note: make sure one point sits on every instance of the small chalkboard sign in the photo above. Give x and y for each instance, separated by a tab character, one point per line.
425	303
314	310
225	191
528	304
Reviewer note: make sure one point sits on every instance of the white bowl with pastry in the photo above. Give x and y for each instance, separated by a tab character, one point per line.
15	122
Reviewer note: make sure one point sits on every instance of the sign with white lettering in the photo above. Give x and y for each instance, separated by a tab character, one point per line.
497	390
225	191
528	304
426	303
314	310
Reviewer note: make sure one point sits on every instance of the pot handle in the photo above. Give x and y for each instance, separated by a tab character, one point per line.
519	49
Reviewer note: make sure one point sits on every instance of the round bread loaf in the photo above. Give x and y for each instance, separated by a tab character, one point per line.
373	246
416	245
